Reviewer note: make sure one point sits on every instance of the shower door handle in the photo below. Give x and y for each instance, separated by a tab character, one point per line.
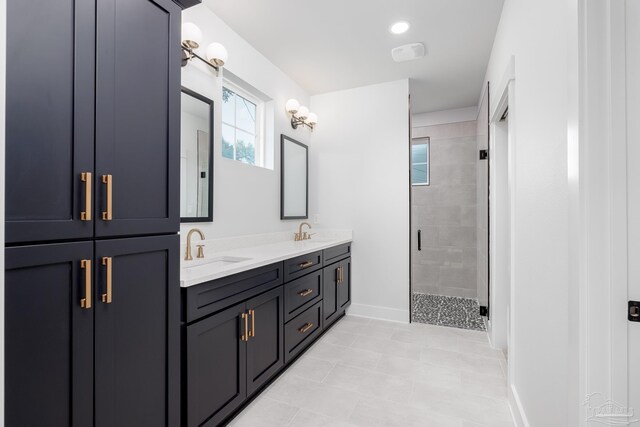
419	240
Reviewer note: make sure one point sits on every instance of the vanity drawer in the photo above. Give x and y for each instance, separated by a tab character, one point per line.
210	297
302	293
302	331
336	253
301	265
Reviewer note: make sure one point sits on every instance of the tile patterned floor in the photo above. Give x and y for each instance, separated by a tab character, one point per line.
371	373
447	311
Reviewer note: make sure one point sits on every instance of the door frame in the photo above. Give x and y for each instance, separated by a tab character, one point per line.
597	189
502	205
501	327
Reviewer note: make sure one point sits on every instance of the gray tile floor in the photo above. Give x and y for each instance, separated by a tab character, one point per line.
366	372
447	311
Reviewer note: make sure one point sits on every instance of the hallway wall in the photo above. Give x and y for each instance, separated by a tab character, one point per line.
536	35
445	211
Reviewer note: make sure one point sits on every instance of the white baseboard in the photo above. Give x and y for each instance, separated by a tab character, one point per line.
517	411
377	312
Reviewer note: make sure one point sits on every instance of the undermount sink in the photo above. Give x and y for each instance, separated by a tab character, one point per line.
205	266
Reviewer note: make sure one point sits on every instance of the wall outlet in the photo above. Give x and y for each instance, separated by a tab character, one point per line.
316	218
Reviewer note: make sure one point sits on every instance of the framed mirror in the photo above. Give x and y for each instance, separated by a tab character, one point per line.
294	179
196	157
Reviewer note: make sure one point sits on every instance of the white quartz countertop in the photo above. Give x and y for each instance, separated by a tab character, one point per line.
221	263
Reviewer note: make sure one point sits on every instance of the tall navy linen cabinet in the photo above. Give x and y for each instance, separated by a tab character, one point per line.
92	213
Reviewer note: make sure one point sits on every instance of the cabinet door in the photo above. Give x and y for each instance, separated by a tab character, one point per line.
330	293
265	346
216	380
138	117
137	332
344	285
48	336
49	118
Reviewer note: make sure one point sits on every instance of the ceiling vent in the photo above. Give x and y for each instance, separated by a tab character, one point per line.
408	52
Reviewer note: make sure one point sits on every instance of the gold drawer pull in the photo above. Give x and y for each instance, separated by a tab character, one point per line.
306	264
245	334
305	293
252	332
86	178
107	297
86	301
305	328
108	214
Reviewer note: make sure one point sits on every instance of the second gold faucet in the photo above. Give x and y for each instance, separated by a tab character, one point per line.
300	235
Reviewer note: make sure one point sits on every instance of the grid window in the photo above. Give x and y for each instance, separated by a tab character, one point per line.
420	162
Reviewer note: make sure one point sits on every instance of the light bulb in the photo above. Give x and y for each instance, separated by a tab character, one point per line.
191	35
217	54
292	106
303	113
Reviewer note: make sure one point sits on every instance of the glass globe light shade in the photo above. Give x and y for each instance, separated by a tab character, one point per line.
217	54
191	35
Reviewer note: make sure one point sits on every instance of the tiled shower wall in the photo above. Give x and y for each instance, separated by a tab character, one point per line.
445	211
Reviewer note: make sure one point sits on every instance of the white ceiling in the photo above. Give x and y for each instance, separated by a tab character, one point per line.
330	45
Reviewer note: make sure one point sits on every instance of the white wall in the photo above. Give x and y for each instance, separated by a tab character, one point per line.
246	198
536	33
467	114
360	168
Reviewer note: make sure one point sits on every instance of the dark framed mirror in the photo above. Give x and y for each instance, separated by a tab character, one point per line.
196	157
294	179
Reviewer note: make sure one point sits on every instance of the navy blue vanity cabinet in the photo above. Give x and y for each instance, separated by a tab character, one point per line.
49	119
241	331
233	352
92	152
49	335
137	332
215	380
265	352
93	119
137	165
62	300
337	284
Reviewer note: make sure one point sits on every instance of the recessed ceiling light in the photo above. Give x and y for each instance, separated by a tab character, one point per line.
399	27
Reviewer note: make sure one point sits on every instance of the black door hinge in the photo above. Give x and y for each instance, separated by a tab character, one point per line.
484	154
634	311
483	310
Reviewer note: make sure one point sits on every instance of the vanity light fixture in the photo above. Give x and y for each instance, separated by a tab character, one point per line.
300	115
191	38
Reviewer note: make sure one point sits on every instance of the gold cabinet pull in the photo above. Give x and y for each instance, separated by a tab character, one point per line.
107	297
341	274
245	335
252	332
306	264
86	178
108	214
305	328
85	302
305	292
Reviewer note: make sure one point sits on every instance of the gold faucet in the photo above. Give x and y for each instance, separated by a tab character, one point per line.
300	235
188	256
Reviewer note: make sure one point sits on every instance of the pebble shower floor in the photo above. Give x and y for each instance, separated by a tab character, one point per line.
447	311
